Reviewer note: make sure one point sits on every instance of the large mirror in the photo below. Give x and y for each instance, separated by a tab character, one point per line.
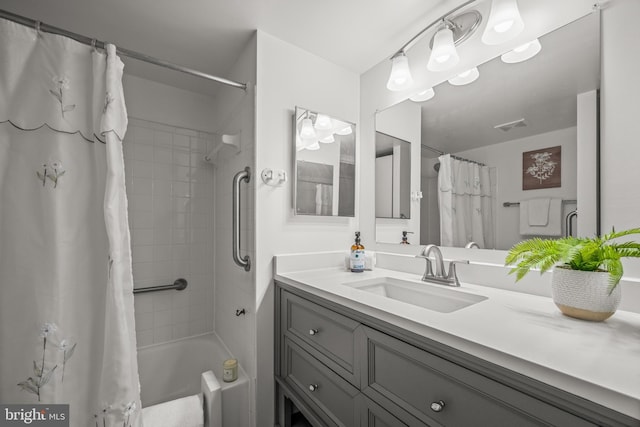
325	164
496	128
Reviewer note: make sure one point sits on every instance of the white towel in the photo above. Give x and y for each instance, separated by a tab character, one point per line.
554	223
539	212
184	412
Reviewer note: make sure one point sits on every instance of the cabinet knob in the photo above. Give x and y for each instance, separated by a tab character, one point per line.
313	331
437	406
313	387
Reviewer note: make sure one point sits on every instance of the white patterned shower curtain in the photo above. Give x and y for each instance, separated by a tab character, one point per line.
66	304
464	196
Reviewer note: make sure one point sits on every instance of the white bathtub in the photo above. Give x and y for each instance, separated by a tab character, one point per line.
189	366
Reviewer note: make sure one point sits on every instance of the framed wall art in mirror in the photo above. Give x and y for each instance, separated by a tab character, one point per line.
324	164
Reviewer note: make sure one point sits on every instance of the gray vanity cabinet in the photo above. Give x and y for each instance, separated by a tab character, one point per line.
340	367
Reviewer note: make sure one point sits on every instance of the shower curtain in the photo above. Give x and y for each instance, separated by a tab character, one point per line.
464	196
66	305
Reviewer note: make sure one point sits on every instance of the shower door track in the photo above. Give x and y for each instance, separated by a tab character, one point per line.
39	26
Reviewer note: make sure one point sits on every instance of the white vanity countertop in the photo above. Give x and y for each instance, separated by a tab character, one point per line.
521	332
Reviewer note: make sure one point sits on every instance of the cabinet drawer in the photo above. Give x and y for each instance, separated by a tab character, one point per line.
374	415
329	336
320	387
439	392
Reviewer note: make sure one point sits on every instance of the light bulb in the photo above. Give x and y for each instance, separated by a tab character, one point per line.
504	22
306	129
522	53
443	55
465	77
400	76
424	95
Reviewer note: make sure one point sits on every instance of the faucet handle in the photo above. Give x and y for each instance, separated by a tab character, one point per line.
453	273
429	270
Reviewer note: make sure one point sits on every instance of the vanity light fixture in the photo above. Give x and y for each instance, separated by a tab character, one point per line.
504	22
327	139
423	96
453	30
465	77
522	53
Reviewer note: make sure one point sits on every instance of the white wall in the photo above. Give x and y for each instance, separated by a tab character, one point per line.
402	121
506	157
160	103
620	109
170	207
289	76
234	112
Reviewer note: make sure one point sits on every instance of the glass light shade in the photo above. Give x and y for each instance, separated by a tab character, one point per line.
327	139
444	54
424	95
323	134
307	130
504	22
400	77
465	77
322	122
344	130
522	53
313	147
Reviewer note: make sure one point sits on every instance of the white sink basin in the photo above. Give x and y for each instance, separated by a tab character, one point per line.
431	297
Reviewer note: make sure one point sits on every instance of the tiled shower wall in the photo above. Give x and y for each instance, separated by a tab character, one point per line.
171	216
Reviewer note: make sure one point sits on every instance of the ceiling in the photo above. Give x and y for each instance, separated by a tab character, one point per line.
541	90
208	35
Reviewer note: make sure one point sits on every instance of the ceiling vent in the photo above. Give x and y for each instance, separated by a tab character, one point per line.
510	125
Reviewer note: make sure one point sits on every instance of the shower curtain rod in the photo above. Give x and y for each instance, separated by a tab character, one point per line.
39	26
455	157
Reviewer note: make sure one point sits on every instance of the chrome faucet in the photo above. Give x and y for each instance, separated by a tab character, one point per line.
472	245
439	276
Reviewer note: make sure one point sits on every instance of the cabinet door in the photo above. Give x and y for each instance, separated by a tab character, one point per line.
329	336
320	387
439	392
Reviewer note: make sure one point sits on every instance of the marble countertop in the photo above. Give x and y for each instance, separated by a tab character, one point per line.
525	333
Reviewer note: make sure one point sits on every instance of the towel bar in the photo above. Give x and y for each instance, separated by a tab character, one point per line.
564	202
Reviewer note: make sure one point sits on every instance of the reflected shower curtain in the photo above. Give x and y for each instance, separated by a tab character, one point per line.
66	304
464	196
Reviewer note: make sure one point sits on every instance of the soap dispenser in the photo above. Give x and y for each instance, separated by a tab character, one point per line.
356	258
405	240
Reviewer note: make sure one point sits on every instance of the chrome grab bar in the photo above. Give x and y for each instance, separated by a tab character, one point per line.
178	285
244	175
568	223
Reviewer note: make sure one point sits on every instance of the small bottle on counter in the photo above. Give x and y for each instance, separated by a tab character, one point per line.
356	259
230	370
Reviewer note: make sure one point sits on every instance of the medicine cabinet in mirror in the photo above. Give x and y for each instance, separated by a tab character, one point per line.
548	102
325	164
393	177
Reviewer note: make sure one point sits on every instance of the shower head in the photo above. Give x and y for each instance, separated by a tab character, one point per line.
226	140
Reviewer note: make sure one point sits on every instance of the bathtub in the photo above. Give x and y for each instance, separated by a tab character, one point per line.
190	366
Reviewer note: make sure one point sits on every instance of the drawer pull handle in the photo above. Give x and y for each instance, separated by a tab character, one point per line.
313	387
437	406
313	331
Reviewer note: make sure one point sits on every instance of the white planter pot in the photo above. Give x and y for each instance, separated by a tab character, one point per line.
584	294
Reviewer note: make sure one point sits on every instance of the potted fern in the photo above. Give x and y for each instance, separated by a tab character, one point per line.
585	281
